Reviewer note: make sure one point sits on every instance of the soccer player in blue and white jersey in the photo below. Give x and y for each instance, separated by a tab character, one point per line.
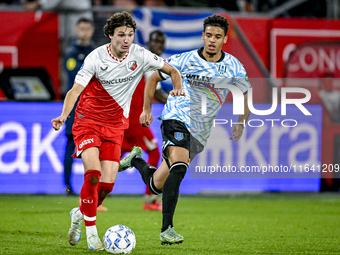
207	75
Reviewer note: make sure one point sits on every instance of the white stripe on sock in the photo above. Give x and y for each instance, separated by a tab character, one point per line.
152	188
89	218
178	164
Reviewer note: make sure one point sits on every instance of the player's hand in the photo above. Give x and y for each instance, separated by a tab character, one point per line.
177	92
58	122
237	132
146	118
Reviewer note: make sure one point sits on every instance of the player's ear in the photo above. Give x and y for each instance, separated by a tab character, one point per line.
111	36
225	39
202	35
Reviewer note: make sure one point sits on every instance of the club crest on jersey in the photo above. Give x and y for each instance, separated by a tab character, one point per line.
178	136
132	65
222	69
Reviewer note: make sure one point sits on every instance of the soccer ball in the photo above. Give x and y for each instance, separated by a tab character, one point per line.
119	239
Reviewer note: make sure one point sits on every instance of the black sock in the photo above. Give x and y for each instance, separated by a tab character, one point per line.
146	171
171	192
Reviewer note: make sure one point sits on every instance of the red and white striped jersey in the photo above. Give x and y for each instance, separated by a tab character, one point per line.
110	82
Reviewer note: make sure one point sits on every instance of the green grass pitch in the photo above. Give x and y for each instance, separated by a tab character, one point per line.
244	224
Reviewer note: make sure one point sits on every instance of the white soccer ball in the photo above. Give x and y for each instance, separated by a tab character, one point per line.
119	239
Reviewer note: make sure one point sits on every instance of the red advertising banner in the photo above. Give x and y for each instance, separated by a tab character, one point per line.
30	39
313	60
258	37
287	34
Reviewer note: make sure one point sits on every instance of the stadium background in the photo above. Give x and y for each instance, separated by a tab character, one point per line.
31	153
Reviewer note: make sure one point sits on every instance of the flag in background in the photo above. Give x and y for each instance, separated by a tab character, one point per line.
183	31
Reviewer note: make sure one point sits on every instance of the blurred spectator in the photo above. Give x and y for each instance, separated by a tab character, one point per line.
74	58
70	11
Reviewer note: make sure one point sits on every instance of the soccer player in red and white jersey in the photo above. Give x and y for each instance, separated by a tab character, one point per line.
105	83
136	135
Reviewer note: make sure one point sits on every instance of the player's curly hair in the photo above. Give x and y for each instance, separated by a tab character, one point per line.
216	21
118	20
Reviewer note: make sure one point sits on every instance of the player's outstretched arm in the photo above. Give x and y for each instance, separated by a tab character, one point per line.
175	78
146	117
238	128
150	88
70	99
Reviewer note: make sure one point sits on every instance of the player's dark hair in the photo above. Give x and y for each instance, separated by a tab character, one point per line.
157	33
118	20
216	21
86	20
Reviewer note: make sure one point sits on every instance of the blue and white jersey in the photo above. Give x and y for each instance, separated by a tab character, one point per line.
206	85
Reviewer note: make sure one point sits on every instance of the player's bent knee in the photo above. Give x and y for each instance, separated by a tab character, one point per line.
179	168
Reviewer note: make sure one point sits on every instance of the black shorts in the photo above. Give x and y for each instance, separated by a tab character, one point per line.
175	133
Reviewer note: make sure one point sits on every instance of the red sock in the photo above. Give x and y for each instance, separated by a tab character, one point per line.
104	189
154	157
89	196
